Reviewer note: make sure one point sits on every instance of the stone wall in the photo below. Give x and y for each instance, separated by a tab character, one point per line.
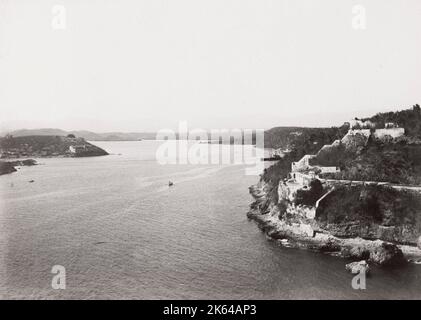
302	178
393	132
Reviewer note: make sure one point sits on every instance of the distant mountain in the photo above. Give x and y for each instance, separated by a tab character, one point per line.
39	132
107	136
87	135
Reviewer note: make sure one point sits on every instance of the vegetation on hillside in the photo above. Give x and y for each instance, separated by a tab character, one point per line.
385	161
9	166
302	140
410	119
45	146
299	142
371	205
368	211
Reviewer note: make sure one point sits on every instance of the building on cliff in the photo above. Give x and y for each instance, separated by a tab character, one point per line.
312	170
357	137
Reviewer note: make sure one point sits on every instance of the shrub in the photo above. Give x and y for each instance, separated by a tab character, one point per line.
310	196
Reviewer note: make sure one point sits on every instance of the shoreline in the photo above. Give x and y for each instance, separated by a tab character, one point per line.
7	167
294	236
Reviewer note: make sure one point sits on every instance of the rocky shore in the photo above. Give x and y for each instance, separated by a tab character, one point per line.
10	166
298	232
6	167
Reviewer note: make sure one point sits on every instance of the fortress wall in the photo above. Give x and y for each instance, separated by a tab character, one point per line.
393	132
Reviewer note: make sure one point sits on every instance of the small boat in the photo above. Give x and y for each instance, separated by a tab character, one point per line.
30	181
170	183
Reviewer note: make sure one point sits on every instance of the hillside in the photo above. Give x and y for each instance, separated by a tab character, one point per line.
410	119
395	160
87	135
300	139
47	146
372	212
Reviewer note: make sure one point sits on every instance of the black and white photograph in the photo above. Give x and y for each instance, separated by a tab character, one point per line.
227	150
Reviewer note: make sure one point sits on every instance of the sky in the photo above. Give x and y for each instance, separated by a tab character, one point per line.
146	65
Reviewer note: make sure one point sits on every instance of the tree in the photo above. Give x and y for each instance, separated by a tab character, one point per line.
71	135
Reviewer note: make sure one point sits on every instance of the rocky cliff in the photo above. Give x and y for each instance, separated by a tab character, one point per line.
358	196
308	227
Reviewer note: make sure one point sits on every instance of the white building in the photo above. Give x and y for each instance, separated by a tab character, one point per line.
359	124
392	132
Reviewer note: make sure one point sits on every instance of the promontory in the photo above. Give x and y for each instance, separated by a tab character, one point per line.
352	191
42	147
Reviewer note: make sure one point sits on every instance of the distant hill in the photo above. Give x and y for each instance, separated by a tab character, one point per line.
397	161
47	146
87	135
410	119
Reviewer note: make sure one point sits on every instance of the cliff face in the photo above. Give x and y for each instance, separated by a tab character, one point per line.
372	212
